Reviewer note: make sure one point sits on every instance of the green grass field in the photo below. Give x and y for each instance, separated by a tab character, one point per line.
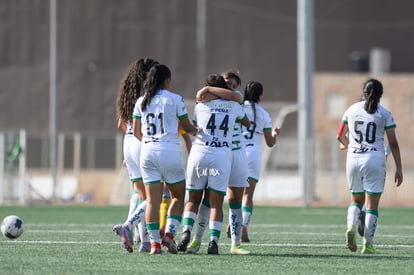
284	240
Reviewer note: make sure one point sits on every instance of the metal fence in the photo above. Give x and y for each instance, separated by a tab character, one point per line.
79	154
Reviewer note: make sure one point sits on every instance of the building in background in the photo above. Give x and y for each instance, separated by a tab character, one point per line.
98	39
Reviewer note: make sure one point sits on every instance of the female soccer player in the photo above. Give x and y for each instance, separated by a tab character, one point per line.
209	161
156	117
129	91
237	180
367	122
260	124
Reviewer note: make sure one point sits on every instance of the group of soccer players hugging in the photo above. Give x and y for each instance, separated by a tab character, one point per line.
223	141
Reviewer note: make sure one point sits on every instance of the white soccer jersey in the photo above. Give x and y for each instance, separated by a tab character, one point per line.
160	158
132	151
253	134
239	169
159	122
366	131
217	119
366	163
209	162
237	142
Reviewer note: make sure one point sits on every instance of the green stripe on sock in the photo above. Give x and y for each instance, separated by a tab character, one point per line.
178	218
235	205
372	212
153	226
188	221
357	205
206	202
215	233
247	208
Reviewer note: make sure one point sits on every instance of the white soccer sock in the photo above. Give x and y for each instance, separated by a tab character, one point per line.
246	218
188	220
133	202
235	222
154	232
371	220
143	232
137	215
173	223
352	217
215	230
203	218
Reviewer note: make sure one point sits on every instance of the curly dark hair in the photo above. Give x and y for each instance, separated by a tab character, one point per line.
131	86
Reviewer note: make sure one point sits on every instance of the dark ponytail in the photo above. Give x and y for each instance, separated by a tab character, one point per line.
372	93
154	82
252	93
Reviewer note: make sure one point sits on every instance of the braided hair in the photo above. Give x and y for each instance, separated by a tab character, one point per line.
252	93
154	82
372	93
131	86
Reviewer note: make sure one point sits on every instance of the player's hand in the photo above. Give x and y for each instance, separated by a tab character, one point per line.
398	179
276	131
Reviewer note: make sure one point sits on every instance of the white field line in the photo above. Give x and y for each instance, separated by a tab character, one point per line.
305	245
253	225
272	233
287	233
340	226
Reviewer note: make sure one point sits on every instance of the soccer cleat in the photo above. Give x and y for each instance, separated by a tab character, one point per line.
212	248
185	239
245	236
144	247
194	247
351	240
369	249
155	248
117	229
168	241
238	249
228	231
125	234
361	223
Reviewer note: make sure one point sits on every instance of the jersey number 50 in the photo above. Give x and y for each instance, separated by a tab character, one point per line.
370	131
